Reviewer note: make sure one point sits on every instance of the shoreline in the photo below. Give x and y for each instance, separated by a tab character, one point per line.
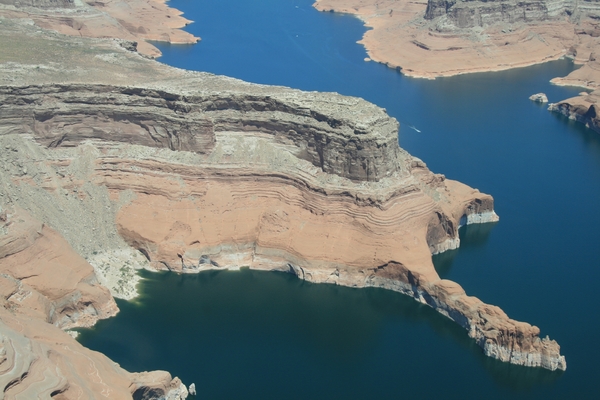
490	328
429	48
428	54
416	75
129	168
136	21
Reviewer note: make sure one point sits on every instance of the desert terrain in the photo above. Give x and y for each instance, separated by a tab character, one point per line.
114	162
429	39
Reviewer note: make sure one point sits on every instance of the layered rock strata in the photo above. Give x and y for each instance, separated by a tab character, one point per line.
314	184
46	287
443	38
201	172
469	14
66	115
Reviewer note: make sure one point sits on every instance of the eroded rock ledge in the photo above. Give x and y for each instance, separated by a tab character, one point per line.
240	178
200	172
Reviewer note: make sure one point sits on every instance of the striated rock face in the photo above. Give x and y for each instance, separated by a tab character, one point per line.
582	109
338	143
469	14
200	172
264	181
68	115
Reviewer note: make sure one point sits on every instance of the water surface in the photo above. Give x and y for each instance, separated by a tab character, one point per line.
260	335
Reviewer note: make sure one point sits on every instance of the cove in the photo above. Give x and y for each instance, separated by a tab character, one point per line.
251	334
271	336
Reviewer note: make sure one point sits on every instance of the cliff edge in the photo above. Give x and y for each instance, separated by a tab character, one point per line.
111	152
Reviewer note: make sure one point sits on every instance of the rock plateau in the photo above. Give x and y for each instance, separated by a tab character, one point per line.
107	151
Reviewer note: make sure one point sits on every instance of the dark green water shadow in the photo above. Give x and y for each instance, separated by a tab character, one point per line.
248	322
472	236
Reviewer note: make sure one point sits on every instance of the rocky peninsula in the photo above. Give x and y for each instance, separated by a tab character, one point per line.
107	154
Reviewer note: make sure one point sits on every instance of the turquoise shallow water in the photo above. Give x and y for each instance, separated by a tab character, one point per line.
265	335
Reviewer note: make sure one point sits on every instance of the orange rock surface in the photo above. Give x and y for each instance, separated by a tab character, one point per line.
132	20
46	287
401	38
204	172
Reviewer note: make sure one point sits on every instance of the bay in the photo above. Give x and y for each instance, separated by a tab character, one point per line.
269	335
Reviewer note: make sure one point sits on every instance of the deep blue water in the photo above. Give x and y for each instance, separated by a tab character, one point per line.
261	335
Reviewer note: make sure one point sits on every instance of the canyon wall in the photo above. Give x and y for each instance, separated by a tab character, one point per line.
334	142
468	14
312	184
194	171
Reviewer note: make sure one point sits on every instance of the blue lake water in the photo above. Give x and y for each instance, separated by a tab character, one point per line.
267	335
